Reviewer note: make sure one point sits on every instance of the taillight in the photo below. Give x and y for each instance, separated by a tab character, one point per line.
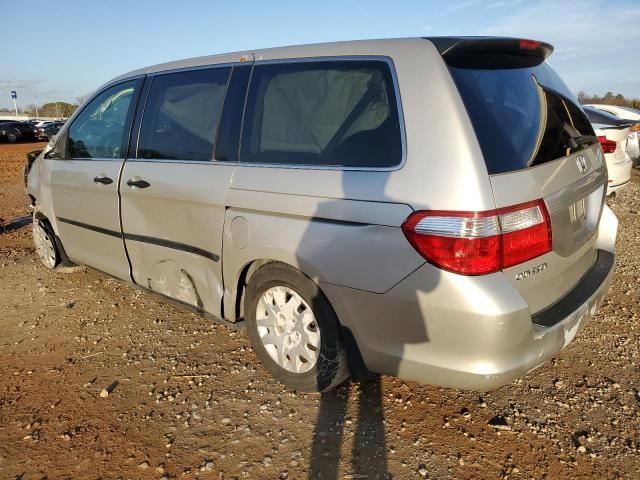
529	44
477	243
608	146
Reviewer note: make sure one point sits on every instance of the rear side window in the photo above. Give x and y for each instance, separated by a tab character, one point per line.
182	113
325	113
522	117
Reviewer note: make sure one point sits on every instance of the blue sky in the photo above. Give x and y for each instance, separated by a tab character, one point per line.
66	49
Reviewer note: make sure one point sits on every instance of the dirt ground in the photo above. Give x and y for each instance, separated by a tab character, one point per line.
185	398
13	201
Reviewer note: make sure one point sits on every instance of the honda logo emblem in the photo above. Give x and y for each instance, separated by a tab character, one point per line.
582	164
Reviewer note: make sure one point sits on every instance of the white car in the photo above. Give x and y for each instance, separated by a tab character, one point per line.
613	135
633	144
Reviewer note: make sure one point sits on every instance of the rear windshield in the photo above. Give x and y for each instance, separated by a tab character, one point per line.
522	117
635	111
595	115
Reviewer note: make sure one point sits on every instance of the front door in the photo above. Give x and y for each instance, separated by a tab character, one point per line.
174	192
84	183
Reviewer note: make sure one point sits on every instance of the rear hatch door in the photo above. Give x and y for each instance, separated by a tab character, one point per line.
537	144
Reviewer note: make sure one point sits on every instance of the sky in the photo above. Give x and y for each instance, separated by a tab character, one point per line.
65	50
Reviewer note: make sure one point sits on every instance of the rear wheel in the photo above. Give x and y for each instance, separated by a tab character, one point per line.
44	241
12	137
294	330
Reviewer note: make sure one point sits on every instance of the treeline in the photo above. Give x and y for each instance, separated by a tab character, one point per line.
52	109
609	99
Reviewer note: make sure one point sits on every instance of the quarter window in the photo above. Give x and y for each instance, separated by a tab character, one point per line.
99	129
330	113
182	114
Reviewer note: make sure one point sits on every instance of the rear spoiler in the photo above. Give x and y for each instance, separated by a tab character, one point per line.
491	52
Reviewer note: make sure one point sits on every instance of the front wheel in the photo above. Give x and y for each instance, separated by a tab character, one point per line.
44	241
294	330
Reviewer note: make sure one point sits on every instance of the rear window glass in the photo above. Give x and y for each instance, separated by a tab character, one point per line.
337	113
522	117
635	111
595	115
182	113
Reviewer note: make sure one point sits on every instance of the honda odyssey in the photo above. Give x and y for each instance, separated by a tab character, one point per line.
429	208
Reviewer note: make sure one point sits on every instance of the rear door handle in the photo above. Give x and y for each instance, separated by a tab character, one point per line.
102	180
132	182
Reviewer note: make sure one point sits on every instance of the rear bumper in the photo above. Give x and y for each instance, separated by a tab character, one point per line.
619	175
474	333
612	188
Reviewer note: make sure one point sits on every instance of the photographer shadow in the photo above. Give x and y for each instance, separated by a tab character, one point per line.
369	447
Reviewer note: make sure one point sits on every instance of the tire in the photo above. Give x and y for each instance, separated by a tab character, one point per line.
45	244
12	137
312	324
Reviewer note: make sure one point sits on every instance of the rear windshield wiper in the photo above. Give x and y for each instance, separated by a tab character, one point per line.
575	139
584	140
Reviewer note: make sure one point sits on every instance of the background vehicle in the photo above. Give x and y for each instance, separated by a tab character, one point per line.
47	130
627	113
329	223
617	111
613	135
16	131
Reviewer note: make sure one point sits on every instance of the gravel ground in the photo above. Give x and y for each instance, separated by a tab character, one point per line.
13	201
99	380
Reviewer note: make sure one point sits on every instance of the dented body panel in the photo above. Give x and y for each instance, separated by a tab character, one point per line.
185	207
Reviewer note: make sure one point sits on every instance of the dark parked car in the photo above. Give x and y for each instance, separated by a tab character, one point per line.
48	130
13	132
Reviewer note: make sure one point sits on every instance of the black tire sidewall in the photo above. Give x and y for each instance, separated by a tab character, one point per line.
47	228
330	369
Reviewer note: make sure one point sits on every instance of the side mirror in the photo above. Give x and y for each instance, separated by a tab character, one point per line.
58	150
31	157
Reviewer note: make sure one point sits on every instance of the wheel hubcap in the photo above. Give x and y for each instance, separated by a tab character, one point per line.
288	329
44	245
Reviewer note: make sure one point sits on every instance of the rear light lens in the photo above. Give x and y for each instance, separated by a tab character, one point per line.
608	146
529	44
477	243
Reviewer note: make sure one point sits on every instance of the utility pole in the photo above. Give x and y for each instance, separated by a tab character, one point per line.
14	95
36	107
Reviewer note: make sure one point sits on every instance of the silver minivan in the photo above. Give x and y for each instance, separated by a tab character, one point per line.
429	208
